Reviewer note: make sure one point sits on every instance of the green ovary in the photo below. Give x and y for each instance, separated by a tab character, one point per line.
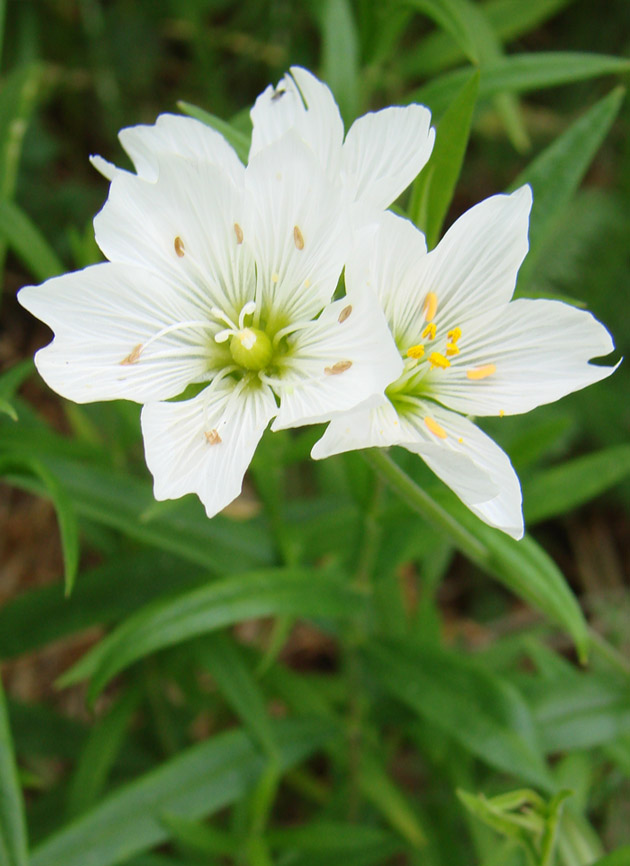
251	348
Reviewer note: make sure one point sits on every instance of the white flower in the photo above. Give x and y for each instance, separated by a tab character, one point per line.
219	284
382	152
467	349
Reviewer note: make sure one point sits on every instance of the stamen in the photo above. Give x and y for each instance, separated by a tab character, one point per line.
178	243
212	437
307	283
429	331
435	428
452	349
298	238
339	367
477	373
222	317
501	413
415	351
222	336
454	335
430	307
133	356
274	278
248	309
343	315
238	231
437	360
460	440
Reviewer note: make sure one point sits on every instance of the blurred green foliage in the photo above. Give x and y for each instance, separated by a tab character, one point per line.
394	702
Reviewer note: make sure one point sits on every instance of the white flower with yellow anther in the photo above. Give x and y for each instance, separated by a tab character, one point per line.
467	348
215	309
380	156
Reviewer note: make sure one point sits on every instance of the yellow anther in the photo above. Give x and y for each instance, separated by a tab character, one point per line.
430	307
435	428
307	283
429	331
343	315
238	231
501	413
437	360
454	335
477	373
415	351
298	238
452	349
133	356
460	440
212	437
274	278
178	243
339	367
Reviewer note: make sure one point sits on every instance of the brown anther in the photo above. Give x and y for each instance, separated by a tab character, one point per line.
339	367
133	356
343	315
178	243
238	231
212	437
298	238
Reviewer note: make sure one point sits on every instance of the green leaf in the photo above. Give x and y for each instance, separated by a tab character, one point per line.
66	517
27	242
198	782
508	19
102	596
523	565
390	801
98	756
200	837
17	101
620	857
327	836
562	488
467	24
556	173
10	381
302	592
13	838
520	73
446	689
225	660
433	190
239	141
340	55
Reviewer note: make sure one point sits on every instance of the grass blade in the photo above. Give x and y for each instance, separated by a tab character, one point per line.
13	838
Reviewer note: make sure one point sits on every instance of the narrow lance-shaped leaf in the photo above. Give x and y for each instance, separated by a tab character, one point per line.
27	242
556	173
13	839
66	517
520	73
10	381
340	55
562	488
523	566
198	782
433	190
264	593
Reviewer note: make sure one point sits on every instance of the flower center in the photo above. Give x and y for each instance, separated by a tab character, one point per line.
251	348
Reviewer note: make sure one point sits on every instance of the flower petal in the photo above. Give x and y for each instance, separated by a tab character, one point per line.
184	226
102	317
471	464
299	234
302	103
459	453
473	269
205	445
384	151
386	258
173	135
345	357
533	352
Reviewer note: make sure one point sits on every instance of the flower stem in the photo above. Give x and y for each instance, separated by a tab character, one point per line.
421	502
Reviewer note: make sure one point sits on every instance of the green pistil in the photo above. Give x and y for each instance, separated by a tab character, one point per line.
251	348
